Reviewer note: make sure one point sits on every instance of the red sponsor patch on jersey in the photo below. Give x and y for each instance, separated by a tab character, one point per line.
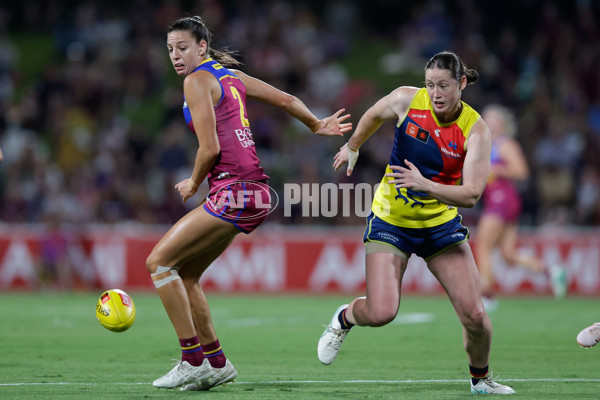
416	132
412	130
423	135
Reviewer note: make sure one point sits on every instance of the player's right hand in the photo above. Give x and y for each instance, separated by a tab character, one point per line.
186	189
345	155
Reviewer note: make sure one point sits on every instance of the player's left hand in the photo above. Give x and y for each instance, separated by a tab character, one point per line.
409	178
333	126
185	189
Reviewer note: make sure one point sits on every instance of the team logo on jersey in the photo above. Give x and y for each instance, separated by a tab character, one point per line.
451	153
416	132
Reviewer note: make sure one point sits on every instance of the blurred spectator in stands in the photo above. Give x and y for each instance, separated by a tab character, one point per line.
78	128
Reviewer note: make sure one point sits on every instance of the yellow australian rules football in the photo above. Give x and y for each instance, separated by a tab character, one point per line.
115	310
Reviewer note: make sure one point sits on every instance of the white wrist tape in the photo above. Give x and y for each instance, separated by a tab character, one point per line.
162	282
352	156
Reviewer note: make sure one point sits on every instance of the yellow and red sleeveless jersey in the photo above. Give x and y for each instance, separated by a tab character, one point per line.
437	150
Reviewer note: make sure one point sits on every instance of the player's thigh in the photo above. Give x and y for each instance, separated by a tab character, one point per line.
384	273
196	233
192	269
508	240
456	271
489	230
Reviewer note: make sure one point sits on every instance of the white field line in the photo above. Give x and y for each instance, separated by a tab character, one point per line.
252	322
461	381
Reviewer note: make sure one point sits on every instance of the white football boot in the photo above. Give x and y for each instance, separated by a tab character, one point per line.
332	338
558	281
490	304
488	386
183	373
216	377
590	336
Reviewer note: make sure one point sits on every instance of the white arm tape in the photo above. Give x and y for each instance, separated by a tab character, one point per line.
162	282
352	157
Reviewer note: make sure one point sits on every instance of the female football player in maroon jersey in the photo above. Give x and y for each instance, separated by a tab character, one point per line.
215	110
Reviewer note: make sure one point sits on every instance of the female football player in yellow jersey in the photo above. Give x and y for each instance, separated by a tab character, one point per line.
440	161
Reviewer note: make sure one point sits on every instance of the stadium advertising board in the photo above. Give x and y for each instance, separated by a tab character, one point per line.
269	260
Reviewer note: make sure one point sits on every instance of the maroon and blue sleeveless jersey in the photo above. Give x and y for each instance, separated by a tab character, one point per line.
501	195
237	159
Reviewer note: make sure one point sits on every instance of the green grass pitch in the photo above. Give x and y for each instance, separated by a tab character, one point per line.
52	347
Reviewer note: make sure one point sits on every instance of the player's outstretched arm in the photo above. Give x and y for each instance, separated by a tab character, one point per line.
333	125
387	108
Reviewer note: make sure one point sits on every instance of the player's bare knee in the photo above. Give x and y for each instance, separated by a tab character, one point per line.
190	283
154	260
474	321
382	316
151	264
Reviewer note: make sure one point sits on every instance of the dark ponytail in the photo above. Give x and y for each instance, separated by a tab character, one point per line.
197	28
450	61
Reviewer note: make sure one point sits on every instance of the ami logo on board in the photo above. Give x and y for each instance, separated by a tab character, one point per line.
416	132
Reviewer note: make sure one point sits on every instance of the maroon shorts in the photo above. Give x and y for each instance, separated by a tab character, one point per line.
502	198
245	204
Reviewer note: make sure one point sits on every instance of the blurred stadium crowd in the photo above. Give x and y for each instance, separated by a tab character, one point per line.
96	134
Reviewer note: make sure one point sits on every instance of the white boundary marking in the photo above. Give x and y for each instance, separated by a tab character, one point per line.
462	381
251	322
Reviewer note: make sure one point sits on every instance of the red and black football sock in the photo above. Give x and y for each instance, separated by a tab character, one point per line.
343	321
191	351
214	353
478	373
